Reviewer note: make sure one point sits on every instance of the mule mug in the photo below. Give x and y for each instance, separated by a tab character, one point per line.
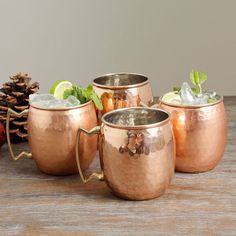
122	90
137	152
200	132
52	137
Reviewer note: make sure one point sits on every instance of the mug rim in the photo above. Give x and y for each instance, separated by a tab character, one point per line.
130	127
192	106
63	108
120	86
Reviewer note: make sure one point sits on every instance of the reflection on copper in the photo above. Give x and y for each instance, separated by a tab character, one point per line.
200	133
137	161
52	137
122	90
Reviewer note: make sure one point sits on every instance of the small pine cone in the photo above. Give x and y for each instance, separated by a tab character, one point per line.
14	94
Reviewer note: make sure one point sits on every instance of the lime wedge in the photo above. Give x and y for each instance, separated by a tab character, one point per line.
171	97
58	89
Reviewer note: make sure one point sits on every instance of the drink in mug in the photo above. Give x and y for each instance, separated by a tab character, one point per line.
200	125
52	127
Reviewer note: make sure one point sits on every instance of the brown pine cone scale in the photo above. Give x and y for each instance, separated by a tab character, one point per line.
14	94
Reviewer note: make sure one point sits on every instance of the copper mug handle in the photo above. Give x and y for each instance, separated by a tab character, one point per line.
94	175
22	154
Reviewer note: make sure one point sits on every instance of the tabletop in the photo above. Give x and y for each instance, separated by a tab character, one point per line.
33	203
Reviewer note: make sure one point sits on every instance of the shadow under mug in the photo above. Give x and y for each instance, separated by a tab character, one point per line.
52	137
137	152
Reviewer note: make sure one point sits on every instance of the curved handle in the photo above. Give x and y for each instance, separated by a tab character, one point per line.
22	154
94	175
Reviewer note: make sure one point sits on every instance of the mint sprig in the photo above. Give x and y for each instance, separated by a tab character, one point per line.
84	95
198	78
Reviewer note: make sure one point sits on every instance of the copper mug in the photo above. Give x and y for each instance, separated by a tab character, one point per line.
200	132
52	137
122	90
137	152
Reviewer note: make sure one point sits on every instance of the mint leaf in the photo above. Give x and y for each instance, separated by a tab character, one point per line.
202	77
89	89
212	100
195	91
67	93
87	92
176	89
74	93
198	78
194	77
79	94
83	95
97	101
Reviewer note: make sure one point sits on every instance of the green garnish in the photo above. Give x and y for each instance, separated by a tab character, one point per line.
198	78
84	95
212	100
176	89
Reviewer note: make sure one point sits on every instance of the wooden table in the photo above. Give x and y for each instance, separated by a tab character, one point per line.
32	203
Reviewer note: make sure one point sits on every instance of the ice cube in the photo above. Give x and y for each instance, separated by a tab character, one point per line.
40	104
208	97
187	95
58	104
202	99
73	100
49	101
211	94
33	98
52	104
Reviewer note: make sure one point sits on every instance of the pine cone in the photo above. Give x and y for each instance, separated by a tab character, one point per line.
15	95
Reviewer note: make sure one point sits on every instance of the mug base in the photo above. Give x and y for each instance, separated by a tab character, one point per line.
138	198
194	170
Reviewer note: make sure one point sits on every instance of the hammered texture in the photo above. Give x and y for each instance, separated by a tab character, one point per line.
200	135
140	176
52	138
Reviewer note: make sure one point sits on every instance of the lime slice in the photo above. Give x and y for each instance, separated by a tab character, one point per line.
59	88
171	97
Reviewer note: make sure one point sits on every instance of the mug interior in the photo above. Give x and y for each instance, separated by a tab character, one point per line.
135	117
121	79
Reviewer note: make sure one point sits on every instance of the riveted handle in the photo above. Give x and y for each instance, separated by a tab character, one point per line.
94	175
22	154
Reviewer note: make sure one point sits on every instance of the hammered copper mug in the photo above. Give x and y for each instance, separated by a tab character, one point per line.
52	137
137	152
200	132
122	90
